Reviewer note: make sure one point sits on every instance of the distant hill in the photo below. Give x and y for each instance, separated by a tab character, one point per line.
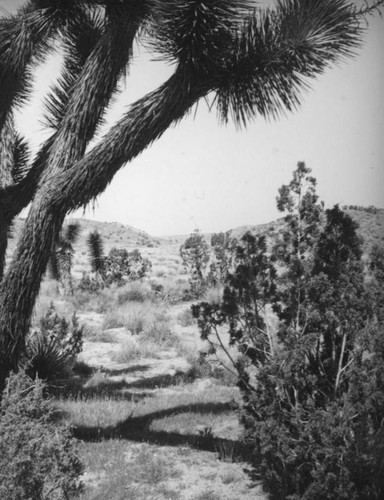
371	225
115	234
369	219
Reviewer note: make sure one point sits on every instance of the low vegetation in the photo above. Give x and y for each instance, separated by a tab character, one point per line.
278	363
39	459
312	383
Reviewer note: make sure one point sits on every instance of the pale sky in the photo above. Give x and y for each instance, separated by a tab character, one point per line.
212	177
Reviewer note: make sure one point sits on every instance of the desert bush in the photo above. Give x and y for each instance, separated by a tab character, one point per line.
152	468
132	316
137	348
130	351
200	367
115	319
195	255
121	266
185	318
116	269
159	332
136	320
134	292
99	302
38	459
52	349
90	284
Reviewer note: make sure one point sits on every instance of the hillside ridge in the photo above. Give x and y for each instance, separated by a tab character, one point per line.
369	219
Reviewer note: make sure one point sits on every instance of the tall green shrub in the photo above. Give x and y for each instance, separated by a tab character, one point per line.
313	389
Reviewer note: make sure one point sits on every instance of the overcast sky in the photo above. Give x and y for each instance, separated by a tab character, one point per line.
207	176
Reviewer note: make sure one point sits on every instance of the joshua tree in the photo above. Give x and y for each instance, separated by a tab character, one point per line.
255	62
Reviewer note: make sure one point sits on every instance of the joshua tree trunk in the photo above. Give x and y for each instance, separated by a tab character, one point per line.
4	229
85	105
255	65
145	122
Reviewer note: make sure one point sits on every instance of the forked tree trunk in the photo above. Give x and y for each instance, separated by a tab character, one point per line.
59	194
86	104
68	180
4	229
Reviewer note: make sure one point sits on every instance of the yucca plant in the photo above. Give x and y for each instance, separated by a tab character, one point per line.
51	349
255	63
46	359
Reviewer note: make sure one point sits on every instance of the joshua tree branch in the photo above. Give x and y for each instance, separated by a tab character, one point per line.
146	121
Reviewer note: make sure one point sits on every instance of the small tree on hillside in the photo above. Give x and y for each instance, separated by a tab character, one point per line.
195	254
294	249
116	268
121	266
222	246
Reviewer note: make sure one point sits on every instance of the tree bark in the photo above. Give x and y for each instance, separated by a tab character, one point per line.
147	120
4	229
7	146
69	180
84	109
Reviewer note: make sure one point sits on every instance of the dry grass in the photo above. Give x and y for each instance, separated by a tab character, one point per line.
123	392
106	411
120	470
134	350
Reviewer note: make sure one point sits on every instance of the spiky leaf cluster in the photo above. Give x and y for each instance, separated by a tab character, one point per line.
96	250
82	37
275	51
195	32
25	38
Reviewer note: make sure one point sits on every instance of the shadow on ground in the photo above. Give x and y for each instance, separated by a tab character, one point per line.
138	429
82	387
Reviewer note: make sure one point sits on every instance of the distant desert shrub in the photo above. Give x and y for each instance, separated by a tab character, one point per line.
185	318
99	302
159	332
135	291
121	266
133	316
130	351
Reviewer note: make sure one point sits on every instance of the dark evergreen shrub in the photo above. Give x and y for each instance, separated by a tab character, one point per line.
312	376
38	458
